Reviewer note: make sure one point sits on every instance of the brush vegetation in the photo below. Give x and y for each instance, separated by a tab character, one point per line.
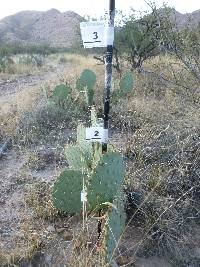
154	119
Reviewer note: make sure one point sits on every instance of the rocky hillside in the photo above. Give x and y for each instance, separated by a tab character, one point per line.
191	20
35	27
61	29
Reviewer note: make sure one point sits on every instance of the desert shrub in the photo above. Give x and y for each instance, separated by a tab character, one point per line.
61	96
36	60
46	156
38	198
48	123
164	172
123	120
184	44
63	59
27	49
6	64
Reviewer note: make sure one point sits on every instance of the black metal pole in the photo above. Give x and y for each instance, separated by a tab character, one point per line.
108	72
108	81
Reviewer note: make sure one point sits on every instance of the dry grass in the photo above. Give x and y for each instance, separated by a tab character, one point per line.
160	142
25	244
13	106
26	98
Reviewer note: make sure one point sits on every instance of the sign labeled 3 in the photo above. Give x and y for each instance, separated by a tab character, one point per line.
96	34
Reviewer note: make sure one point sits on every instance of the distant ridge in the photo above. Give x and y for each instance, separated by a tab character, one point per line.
50	27
190	20
58	29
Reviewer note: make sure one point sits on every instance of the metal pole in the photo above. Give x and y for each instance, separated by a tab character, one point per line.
108	71
108	81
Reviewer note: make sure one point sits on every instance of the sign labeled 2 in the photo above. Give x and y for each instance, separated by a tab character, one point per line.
97	134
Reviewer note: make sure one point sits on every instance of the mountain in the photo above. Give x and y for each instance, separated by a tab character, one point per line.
37	27
190	20
58	29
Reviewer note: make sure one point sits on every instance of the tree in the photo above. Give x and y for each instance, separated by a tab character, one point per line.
140	39
185	45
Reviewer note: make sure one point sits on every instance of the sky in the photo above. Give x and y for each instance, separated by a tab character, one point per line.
90	7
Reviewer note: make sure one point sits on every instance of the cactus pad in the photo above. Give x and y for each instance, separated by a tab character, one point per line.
89	96
115	223
106	179
67	190
86	80
97	154
93	117
126	83
76	158
85	146
61	93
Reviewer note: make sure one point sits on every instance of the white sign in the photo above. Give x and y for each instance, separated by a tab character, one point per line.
83	196
96	34
97	134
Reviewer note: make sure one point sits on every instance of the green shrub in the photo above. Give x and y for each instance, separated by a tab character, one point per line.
6	64
36	60
61	95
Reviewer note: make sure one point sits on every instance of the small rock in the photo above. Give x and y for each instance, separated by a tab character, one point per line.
60	230
67	236
48	259
5	231
122	260
78	243
5	234
2	201
197	252
114	264
51	228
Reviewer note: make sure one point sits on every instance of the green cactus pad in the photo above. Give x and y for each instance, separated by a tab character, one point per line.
89	97
106	179
85	146
76	158
111	148
126	83
93	117
61	93
97	154
115	223
67	191
86	80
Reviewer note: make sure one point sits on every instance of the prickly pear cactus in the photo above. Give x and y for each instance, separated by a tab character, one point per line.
105	172
89	97
66	191
76	158
87	79
103	175
114	226
61	94
86	84
93	116
106	179
97	154
126	83
86	147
